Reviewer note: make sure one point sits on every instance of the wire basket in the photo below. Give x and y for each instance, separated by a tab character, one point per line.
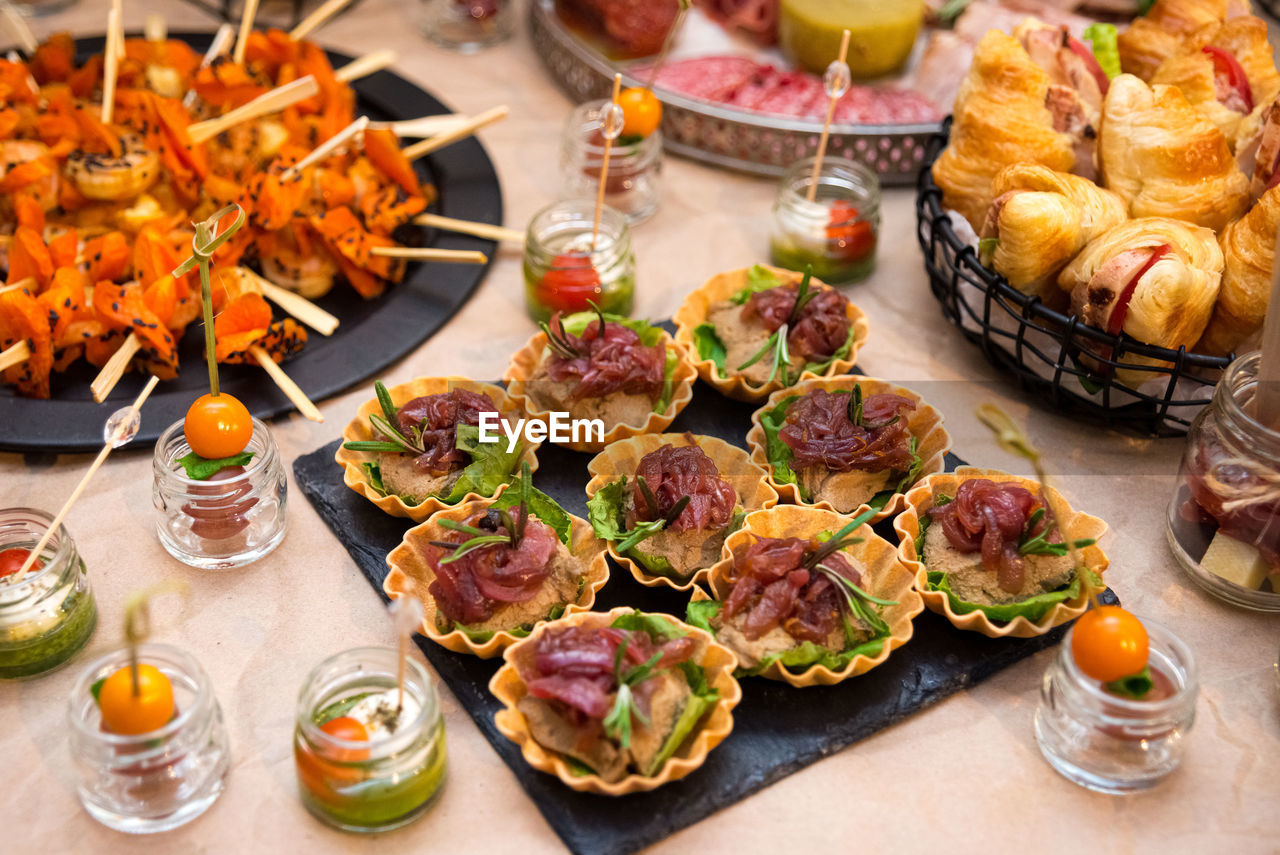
1067	363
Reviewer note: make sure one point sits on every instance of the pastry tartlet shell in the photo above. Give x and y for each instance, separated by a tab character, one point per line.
622	458
718	661
411	573
359	429
926	424
1080	525
526	360
697	305
894	581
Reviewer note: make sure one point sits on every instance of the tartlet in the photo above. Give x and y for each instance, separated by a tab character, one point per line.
357	465
716	662
529	365
924	423
412	573
621	459
1054	610
874	558
694	313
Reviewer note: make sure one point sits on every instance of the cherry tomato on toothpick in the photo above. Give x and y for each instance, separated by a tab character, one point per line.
217	426
1109	643
641	111
129	712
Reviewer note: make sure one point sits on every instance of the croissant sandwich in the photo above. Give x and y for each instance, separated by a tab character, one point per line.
1248	247
1040	219
1154	279
1225	71
1152	39
1000	119
1165	158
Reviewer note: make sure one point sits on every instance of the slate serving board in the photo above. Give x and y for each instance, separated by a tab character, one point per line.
777	729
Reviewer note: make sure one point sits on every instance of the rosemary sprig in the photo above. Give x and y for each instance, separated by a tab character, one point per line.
461	549
649	499
558	340
838	541
515	525
781	356
1039	544
617	724
803	296
645	530
386	424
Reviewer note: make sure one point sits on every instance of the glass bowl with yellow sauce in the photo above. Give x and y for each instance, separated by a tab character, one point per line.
881	34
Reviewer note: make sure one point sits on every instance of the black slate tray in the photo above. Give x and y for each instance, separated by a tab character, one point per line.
373	333
777	729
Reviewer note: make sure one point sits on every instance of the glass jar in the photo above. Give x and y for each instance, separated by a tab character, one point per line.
396	775
837	233
153	781
229	520
562	272
635	165
1110	743
467	25
49	616
1224	518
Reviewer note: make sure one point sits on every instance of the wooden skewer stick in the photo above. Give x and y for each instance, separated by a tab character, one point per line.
327	147
27	282
316	19
268	102
427	126
217	47
366	65
1267	398
18	26
286	384
111	373
611	133
246	27
836	81
154	29
466	227
466	129
15	355
427	253
75	494
295	304
111	60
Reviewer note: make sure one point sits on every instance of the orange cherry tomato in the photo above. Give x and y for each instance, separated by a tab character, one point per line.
641	111
11	561
217	426
1109	643
128	713
320	776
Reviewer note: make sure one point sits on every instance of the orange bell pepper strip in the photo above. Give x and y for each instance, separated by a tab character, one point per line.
333	188
64	304
25	174
29	212
84	80
54	59
9	119
243	320
344	236
108	256
22	318
15	83
277	201
223	83
123	307
269	50
383	150
64	247
385	209
175	119
28	256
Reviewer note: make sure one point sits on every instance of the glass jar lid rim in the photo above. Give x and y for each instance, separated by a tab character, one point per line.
188	663
1242	374
1190	682
255	463
404	733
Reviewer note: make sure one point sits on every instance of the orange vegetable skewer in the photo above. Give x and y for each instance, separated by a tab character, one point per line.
611	127
327	147
430	253
316	19
268	102
466	227
217	47
426	126
295	304
246	27
439	141
365	65
15	355
124	429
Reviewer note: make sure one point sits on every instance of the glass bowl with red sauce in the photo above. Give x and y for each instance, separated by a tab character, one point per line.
231	519
1224	518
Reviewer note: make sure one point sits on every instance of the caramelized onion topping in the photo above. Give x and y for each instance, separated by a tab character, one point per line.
674	472
614	360
819	433
821	329
990	518
437	417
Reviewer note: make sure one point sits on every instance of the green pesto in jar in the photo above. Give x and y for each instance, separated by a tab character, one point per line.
47	636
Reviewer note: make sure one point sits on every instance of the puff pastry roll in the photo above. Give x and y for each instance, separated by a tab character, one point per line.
1000	119
1158	35
1076	87
1155	279
1041	219
1225	71
1248	246
1166	159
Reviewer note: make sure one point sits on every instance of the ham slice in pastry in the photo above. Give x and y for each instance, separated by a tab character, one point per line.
1160	34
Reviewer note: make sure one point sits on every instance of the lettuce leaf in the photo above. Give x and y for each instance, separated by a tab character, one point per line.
480	636
1032	608
491	464
758	279
709	345
778	452
650	336
668	381
606	511
373	472
541	506
841	353
658	627
202	468
1106	50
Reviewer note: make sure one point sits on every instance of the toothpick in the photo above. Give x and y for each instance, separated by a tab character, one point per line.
15	355
295	304
466	129
268	102
111	60
286	384
1267	398
17	23
327	147
316	19
111	373
426	126
246	27
117	436
607	129
427	253
836	81
466	227
155	29
26	282
406	618
217	47
365	65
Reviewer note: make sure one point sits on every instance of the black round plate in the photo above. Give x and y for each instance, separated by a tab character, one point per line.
372	334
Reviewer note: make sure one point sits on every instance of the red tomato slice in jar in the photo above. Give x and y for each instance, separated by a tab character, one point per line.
1229	79
569	284
853	239
11	561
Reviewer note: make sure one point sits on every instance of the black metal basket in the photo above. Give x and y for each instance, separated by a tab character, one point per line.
1051	353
